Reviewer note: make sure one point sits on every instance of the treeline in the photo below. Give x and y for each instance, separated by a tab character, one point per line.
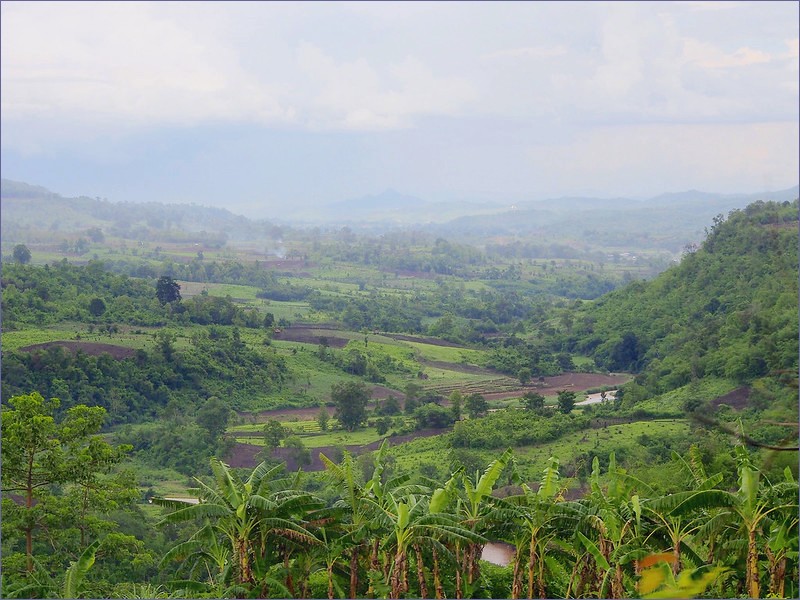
49	294
151	382
33	207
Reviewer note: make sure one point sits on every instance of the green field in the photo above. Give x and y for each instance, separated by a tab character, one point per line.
448	353
127	336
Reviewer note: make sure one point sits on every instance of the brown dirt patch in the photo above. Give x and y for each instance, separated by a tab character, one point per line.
311	335
576	382
460	368
243	456
737	399
423	340
90	348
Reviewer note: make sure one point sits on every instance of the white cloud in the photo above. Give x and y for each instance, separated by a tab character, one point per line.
713	5
708	56
636	160
356	95
76	72
527	52
122	61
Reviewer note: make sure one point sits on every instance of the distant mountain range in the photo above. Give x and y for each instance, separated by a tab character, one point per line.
665	222
392	206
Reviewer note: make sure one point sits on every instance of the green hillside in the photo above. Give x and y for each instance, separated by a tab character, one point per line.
729	309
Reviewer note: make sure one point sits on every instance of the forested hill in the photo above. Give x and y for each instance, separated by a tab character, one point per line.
30	210
729	309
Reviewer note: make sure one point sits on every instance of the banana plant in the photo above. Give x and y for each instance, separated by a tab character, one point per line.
77	571
359	501
680	529
612	518
532	517
245	512
476	512
750	511
415	522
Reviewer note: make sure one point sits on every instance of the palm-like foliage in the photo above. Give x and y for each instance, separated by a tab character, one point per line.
476	513
678	530
751	511
533	515
360	502
611	531
415	522
249	514
78	569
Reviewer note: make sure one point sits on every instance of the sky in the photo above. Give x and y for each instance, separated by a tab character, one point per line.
262	107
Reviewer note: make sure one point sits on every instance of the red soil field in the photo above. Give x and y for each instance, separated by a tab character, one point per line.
90	348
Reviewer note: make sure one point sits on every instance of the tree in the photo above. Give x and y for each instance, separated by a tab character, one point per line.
533	401
39	452
22	254
298	450
383	425
390	406
167	290
351	400
323	417
274	433
524	376
432	415
95	234
566	401
97	307
455	404
213	417
413	390
476	405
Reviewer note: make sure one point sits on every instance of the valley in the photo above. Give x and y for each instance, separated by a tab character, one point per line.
404	368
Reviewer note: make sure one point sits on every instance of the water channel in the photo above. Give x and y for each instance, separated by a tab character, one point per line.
498	553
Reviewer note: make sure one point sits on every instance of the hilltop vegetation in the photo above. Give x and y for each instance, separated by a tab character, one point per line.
728	309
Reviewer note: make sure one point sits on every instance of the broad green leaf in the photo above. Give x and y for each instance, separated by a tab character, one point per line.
439	500
594	551
78	569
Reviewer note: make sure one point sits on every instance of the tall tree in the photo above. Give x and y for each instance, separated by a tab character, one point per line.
167	290
476	405
351	400
533	401
39	452
21	254
566	401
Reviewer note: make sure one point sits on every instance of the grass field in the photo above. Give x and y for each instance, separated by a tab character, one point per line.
13	340
448	353
311	435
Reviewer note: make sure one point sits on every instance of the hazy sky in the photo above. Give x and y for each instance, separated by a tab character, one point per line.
257	106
